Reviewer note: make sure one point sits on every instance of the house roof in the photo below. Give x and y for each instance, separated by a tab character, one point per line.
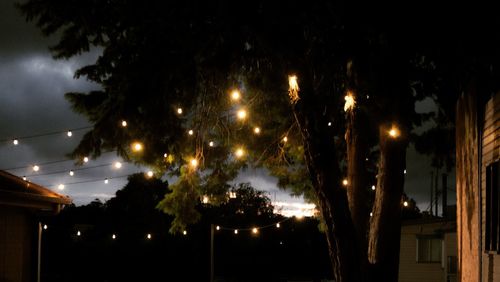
17	192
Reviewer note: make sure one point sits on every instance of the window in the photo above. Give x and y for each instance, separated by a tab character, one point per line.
429	249
492	209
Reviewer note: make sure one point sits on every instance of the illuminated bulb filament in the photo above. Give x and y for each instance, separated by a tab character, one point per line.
371	214
45	227
293	89
373	187
211	144
394	132
78	233
113	236
165	155
148	236
190	132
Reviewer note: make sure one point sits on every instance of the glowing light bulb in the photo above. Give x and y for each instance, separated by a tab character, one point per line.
15	142
106	181
285	139
405	203
394	132
179	111
373	187
184	232
242	114
150	174
293	89
255	230
137	147
329	123
239	152
205	199
71	173
217	227
404	171
256	130
69	133
78	233
235	95
85	159
24	178
45	227
278	225
118	165
349	101
232	195
165	155
194	163
211	144
345	182
124	123
113	236
61	187
190	132
236	231
36	168
148	236
371	214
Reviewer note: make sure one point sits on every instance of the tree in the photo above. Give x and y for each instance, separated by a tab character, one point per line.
168	71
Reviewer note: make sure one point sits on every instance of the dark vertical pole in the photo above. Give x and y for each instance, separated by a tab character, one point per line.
432	192
211	252
444	194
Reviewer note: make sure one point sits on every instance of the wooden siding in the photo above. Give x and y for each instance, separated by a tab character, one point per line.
490	154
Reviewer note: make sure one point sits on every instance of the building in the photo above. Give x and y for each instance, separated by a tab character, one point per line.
428	250
478	208
21	202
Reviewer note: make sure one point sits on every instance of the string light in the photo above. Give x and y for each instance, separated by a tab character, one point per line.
124	123
106	181
71	173
61	187
345	182
118	165
43	134
255	230
15	142
45	227
190	132
211	144
69	133
36	168
235	231
349	101
293	89
137	146
242	114
394	132
256	130
179	111
239	152
235	95
85	159
373	187
194	163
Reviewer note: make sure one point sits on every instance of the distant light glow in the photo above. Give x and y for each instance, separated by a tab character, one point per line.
242	114
36	168
71	173
404	171
235	95
137	146
61	187
256	130
329	123
349	102
165	155
118	165
371	214
124	123
293	89
85	159
15	142
69	133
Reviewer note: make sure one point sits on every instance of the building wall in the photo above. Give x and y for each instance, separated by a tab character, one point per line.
412	271
16	245
490	153
467	177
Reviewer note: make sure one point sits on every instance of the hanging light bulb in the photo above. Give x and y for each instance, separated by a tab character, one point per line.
179	111
255	230
113	236
394	132
184	232
165	155
293	89
148	236
71	173
106	181
404	171
217	227
405	203
78	233
345	182
205	199
371	214
24	178
118	165
373	187
124	123
329	123
242	114
235	231
193	163
15	142
69	133
278	225
285	139
349	101
211	143
256	130
239	152
235	95
190	132
85	159
45	227
137	146
61	187
150	174
36	168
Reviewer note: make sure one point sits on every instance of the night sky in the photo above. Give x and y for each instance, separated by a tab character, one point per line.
32	87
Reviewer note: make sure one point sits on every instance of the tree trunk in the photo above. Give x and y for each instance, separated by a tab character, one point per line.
357	176
385	226
323	167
